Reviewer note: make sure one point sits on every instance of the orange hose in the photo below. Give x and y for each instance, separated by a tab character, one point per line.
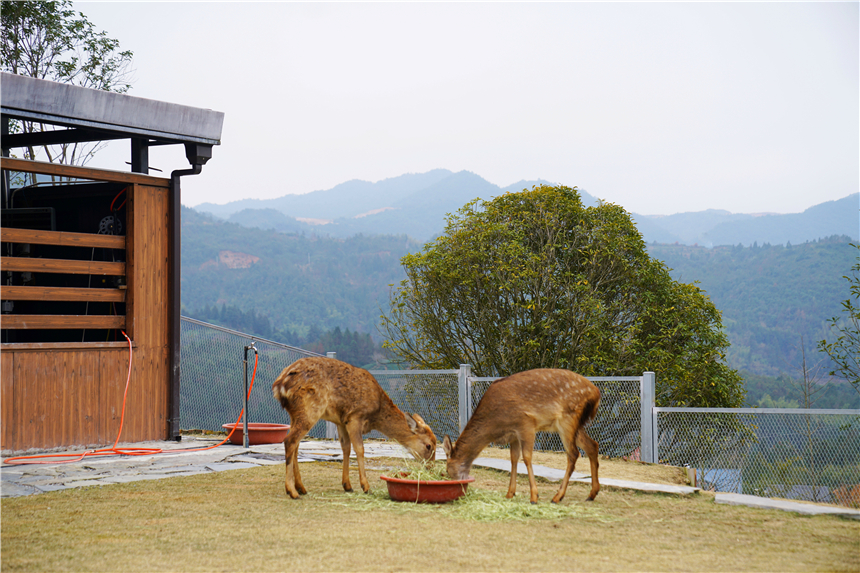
21	460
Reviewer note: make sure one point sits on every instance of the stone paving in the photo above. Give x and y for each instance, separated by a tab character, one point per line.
18	480
22	480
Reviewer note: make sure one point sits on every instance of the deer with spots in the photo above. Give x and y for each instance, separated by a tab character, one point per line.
316	388
515	408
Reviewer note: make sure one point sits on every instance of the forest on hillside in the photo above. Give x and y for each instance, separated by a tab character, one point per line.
297	281
774	299
301	289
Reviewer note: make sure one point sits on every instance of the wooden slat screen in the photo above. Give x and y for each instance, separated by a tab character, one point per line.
63	293
60	321
62	266
61	238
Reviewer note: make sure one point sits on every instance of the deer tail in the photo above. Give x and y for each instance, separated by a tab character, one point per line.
589	411
281	388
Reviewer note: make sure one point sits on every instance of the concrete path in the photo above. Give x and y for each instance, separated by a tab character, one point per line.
18	480
22	480
785	505
554	475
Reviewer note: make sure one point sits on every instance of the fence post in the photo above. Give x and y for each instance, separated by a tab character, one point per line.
330	428
648	445
464	394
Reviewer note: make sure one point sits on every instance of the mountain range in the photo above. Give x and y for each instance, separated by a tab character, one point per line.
416	205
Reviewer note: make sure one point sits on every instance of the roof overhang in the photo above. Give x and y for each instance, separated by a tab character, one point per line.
100	115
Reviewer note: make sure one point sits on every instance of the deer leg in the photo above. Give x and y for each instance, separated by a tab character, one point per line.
567	438
354	430
527	445
515	458
345	446
298	428
589	446
300	486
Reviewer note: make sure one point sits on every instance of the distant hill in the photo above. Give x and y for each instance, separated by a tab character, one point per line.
714	227
413	204
416	205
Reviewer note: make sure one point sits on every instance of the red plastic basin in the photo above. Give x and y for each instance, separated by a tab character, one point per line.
258	433
417	491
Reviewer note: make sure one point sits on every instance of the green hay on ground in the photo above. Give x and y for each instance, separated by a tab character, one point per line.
421	471
477	505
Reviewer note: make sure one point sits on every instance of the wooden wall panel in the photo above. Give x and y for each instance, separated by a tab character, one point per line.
8	416
57	406
55	396
150	311
113	372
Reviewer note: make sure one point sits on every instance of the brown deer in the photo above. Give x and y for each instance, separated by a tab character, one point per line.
317	388
513	409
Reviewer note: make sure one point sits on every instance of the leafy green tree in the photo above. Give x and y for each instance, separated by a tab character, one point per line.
535	279
50	40
845	350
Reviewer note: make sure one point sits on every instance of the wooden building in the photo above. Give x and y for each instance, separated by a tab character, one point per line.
88	254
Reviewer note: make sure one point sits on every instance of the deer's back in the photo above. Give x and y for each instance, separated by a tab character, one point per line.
328	389
544	395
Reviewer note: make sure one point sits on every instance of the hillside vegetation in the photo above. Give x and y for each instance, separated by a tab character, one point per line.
770	296
281	286
295	280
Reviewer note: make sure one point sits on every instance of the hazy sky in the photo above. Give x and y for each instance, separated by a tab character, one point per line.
659	107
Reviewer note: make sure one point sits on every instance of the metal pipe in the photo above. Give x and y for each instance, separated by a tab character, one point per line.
174	311
245	397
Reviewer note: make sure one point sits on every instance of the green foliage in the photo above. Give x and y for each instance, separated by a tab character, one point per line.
50	40
769	296
535	279
844	351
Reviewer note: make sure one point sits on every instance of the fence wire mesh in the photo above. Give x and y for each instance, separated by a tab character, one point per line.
809	455
212	379
617	426
432	394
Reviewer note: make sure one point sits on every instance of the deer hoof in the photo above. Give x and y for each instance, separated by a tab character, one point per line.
347	488
534	503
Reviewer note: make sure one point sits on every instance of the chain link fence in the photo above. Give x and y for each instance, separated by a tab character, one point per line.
432	394
809	455
212	379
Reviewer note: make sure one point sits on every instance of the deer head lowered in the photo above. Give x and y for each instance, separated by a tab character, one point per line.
317	388
513	409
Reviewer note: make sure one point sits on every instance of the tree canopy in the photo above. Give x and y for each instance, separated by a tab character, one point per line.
51	41
535	279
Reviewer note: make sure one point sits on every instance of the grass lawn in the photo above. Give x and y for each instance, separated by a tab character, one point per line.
241	520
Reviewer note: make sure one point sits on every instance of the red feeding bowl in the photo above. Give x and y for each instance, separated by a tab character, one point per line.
258	433
417	491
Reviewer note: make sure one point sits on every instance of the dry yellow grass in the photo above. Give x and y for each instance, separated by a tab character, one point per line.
614	468
242	521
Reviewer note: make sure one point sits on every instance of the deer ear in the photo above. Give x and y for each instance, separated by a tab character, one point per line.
419	419
413	425
447	446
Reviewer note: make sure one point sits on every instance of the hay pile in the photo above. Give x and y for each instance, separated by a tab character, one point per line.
477	505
